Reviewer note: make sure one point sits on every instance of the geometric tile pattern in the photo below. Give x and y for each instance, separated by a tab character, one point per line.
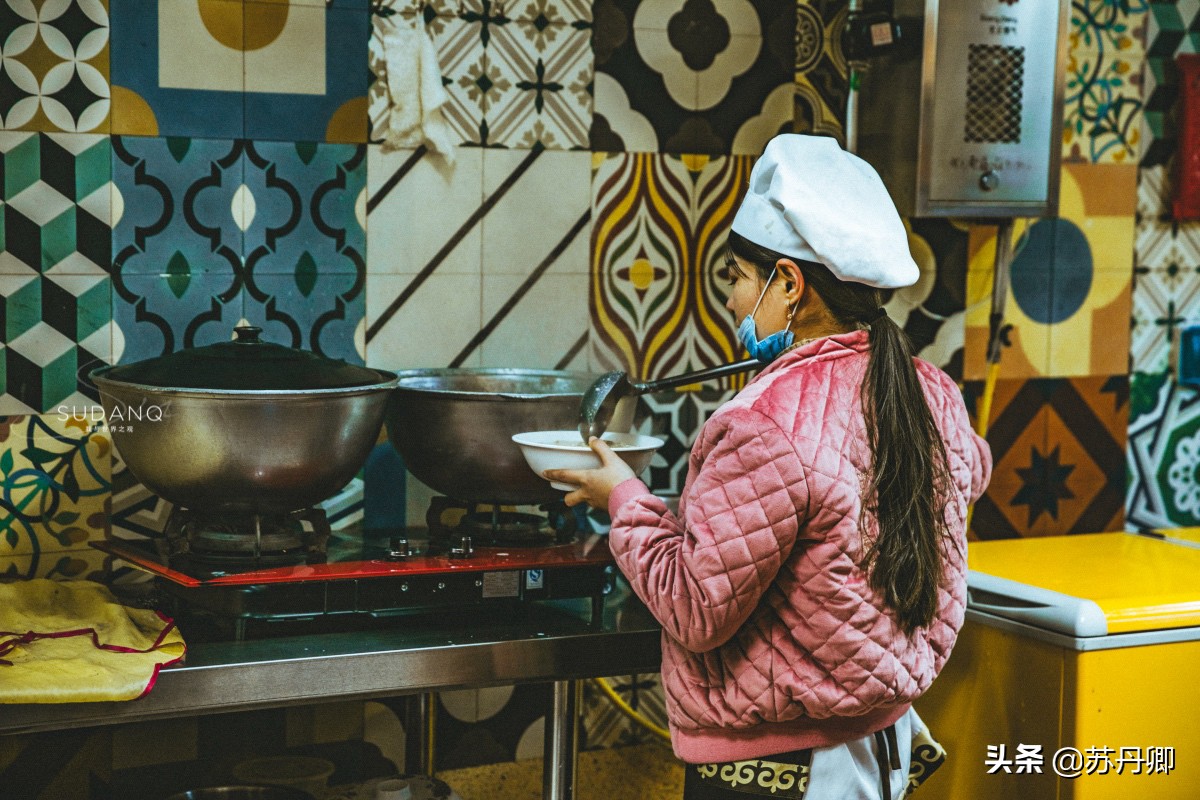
821	72
506	256
518	74
54	68
658	287
604	726
228	69
209	232
687	77
55	203
1102	103
309	82
1166	291
177	245
57	328
1058	446
304	252
1163	454
676	417
1069	296
55	474
1171	28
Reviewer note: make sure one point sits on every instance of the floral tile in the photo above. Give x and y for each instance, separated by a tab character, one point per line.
822	78
517	74
1102	107
56	472
158	314
178	68
55	214
57	329
305	76
1166	290
1163	453
174	207
1105	25
707	78
56	66
1057	446
658	295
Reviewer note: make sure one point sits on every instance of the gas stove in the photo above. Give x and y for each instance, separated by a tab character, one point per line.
290	569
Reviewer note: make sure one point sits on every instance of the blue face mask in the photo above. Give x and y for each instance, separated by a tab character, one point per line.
767	349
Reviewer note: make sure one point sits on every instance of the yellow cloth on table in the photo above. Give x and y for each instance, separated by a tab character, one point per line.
72	642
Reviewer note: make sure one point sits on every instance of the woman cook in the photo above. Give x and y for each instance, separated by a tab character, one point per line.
812	583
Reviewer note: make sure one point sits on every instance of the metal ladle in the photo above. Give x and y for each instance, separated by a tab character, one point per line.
610	401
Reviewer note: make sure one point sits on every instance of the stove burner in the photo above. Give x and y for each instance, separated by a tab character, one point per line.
506	527
246	541
494	526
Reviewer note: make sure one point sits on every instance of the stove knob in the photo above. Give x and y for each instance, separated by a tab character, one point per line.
463	549
989	180
398	548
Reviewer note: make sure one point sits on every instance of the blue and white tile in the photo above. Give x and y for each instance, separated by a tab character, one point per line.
162	313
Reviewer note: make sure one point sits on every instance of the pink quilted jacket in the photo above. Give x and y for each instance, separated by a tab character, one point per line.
772	639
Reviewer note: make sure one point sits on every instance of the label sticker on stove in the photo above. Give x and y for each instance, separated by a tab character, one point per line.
501	584
535	578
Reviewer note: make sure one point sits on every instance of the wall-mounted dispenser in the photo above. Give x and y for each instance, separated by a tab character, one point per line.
967	119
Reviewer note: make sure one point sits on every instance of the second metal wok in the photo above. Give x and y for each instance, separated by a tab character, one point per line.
453	428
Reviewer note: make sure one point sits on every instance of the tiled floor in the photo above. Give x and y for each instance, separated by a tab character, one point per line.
627	773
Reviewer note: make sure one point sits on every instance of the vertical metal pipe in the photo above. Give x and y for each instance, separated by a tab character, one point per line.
562	742
850	129
419	729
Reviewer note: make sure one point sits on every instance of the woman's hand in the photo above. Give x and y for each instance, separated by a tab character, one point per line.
595	485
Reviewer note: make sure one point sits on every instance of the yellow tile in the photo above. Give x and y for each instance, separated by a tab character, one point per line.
285	48
1095	339
1028	352
57	479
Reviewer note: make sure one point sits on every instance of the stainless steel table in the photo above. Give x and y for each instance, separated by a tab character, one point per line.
546	642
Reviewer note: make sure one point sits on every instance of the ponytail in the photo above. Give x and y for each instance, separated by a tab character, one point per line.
908	461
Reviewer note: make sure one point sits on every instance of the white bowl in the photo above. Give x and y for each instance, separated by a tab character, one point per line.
545	450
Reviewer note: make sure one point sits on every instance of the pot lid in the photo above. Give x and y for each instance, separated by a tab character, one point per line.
246	363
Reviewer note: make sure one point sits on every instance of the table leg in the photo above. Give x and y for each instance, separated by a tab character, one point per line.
420	712
562	742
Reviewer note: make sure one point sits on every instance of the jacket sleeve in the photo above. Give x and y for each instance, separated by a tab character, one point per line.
702	576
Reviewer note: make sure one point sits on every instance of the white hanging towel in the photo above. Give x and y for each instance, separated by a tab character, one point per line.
414	90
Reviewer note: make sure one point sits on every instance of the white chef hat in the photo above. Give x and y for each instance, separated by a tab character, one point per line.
812	200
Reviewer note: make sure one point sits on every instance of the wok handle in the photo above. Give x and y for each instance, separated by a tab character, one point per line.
699	376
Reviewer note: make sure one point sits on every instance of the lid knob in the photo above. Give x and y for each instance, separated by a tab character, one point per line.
247	334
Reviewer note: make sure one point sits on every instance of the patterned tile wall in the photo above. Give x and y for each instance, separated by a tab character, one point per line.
579	224
695	77
1160	455
1057	445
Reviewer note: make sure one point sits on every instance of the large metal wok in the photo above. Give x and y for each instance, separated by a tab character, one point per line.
244	426
453	428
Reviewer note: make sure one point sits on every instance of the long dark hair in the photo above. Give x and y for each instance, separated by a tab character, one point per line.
908	461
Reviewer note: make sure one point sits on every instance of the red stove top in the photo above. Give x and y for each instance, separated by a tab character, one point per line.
353	559
366	580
